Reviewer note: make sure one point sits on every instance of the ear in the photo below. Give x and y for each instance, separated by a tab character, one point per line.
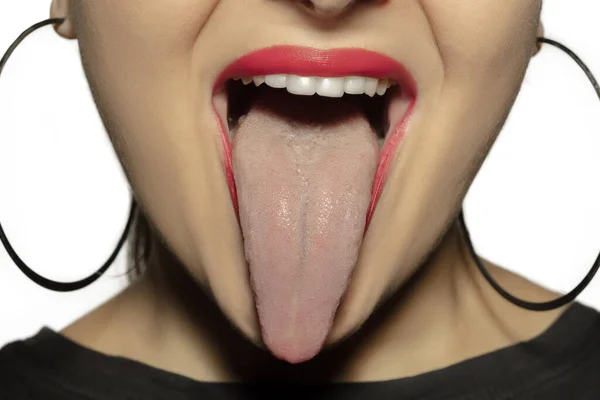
540	33
63	9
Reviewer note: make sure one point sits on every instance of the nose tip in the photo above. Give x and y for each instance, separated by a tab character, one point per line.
328	8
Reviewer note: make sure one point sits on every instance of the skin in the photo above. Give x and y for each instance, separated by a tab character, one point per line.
151	65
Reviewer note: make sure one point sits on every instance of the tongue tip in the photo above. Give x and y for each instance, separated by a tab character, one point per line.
292	351
296	334
289	338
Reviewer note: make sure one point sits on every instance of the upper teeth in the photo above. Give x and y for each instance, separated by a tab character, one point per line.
327	87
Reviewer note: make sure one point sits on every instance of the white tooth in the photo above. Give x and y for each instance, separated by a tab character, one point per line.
355	85
371	86
331	87
259	80
236	78
327	87
246	80
302	85
276	81
382	86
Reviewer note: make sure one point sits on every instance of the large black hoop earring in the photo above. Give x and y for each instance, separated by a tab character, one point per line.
572	295
40	280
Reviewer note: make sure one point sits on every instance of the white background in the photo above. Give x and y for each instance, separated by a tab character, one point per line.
534	208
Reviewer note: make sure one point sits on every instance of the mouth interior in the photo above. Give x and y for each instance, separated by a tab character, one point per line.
376	109
304	168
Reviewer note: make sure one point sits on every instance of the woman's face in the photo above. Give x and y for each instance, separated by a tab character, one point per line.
297	214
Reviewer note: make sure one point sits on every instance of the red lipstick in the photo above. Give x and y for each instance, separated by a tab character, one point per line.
306	61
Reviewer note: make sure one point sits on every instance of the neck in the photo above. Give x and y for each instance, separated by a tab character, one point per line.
443	315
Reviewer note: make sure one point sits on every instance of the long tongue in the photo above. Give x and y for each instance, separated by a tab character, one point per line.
304	169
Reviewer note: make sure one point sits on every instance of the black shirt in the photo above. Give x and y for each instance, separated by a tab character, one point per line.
562	363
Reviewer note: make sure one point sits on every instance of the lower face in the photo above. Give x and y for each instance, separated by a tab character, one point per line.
300	167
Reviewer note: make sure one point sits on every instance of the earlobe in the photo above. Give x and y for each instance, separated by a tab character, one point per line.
540	33
62	9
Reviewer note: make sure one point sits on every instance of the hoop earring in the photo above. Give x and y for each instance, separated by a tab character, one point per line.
572	295
40	280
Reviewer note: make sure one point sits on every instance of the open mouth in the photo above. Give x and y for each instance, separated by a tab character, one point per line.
308	136
371	96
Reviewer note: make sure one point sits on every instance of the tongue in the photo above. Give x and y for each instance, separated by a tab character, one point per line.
304	169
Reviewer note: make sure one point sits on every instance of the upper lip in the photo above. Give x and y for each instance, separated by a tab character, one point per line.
307	61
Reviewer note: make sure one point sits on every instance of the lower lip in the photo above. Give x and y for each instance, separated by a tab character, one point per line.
396	136
327	63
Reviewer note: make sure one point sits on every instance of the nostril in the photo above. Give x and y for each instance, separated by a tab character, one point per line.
308	4
329	8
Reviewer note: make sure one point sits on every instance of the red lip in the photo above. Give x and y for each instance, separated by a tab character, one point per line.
306	61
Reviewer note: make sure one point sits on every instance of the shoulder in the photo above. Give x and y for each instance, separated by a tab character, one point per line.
13	377
23	374
561	363
576	372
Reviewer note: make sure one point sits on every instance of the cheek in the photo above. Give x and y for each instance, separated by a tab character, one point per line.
138	56
478	38
146	31
486	46
135	54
